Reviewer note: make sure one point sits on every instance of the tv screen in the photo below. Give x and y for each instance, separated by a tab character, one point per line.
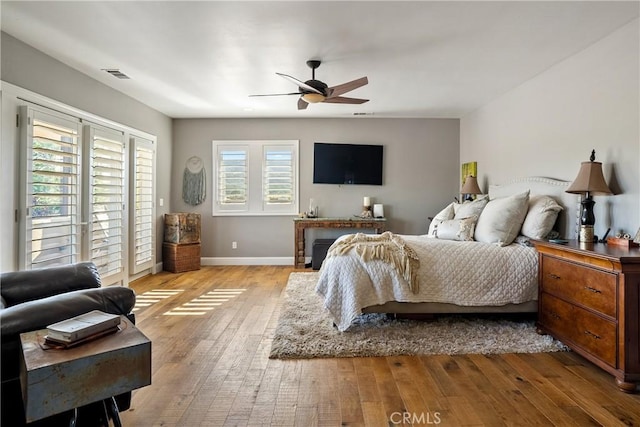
347	164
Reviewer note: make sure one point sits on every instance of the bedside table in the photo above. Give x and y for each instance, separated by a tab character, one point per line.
589	298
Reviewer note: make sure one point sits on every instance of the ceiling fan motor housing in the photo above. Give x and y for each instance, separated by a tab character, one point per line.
316	84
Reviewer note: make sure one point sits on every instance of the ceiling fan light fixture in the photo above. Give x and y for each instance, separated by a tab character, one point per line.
313	98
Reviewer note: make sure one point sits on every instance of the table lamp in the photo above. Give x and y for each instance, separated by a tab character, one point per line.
589	181
469	188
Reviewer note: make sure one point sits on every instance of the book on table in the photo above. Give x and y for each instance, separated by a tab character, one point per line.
82	326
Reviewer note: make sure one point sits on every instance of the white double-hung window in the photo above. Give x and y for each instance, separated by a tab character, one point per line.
255	177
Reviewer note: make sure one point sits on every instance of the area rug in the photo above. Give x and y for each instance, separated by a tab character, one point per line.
305	330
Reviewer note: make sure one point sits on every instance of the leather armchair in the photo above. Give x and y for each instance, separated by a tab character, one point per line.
31	300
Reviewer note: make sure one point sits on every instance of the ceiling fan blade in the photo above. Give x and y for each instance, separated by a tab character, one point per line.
278	94
346	87
300	83
345	100
302	104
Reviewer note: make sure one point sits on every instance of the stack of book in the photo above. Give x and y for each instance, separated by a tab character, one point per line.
82	328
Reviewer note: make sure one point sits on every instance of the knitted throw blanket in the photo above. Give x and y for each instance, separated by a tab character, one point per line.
386	247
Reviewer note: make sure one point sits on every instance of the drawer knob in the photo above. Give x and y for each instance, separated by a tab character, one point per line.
554	315
554	276
594	290
592	335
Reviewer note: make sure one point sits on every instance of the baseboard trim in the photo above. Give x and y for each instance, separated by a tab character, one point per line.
247	261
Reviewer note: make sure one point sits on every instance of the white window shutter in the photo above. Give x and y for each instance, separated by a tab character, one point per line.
278	178
51	234
105	204
143	208
232	178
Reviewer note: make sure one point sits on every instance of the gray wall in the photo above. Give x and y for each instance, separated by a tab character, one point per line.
550	124
421	174
30	69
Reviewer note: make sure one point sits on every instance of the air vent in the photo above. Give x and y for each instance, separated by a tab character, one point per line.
116	73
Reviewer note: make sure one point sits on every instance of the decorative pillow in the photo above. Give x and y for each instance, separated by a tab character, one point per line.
444	214
469	209
455	229
502	218
542	215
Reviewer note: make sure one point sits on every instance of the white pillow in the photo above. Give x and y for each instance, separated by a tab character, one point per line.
444	214
455	229
542	215
469	209
502	218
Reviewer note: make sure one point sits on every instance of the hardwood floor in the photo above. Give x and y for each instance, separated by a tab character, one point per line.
211	331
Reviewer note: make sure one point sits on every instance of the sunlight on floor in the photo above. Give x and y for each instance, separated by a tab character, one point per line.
204	303
153	296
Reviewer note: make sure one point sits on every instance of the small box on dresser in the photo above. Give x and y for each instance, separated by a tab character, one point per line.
178	258
589	298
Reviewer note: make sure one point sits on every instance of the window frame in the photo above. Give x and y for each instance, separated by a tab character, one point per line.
256	161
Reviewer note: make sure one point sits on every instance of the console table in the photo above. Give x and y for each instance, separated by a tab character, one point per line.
301	224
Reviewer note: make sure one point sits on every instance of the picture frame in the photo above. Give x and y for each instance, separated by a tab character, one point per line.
469	168
636	239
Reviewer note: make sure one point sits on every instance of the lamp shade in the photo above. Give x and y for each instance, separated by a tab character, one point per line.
471	186
589	180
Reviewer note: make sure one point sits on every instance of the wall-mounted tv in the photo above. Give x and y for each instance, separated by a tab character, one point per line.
347	164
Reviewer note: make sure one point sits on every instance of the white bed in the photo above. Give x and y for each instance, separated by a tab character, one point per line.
453	277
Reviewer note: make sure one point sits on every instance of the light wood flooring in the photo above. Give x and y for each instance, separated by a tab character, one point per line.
212	369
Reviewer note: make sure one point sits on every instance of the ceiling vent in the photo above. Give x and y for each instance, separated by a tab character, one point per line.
116	73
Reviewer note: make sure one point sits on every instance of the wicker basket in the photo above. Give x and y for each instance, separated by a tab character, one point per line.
177	258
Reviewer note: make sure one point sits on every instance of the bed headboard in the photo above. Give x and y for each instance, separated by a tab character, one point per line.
566	222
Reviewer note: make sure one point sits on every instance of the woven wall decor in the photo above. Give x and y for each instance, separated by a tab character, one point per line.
194	181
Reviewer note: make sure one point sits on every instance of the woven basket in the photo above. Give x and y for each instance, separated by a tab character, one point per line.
177	258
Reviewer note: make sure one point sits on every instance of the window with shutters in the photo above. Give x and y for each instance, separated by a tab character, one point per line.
142	171
255	177
105	201
53	228
85	196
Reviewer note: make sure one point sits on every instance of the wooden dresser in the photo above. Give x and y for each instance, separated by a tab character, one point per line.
589	298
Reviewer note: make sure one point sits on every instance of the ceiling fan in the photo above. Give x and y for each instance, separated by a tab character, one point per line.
313	91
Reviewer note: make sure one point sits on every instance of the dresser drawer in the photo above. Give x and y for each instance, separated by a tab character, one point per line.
586	286
585	329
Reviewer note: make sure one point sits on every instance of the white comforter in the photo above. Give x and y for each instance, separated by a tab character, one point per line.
461	273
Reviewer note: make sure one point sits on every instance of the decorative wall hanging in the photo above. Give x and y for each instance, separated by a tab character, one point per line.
194	181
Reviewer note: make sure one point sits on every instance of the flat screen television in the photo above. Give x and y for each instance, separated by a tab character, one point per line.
347	164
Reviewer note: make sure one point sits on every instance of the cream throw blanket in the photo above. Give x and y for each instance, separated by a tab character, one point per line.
386	247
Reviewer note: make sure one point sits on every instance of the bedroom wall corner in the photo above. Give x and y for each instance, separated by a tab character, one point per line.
549	124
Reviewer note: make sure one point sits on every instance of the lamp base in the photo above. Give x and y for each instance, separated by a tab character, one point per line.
586	234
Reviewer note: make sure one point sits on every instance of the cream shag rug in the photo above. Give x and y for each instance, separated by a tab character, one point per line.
305	330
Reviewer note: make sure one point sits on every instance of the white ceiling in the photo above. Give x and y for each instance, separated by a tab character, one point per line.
423	59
